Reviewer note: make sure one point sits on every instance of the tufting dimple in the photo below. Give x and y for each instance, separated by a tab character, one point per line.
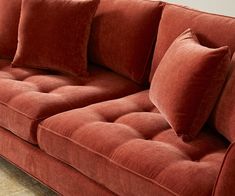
44	82
147	123
206	143
105	139
162	155
20	79
54	89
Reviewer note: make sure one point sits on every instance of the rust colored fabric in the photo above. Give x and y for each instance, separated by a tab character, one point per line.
226	178
54	35
28	96
223	116
187	83
9	20
212	30
123	36
127	146
55	174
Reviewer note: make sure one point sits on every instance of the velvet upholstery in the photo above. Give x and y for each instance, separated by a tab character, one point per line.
212	30
127	146
54	35
28	96
53	173
187	82
123	36
123	146
223	117
226	178
9	20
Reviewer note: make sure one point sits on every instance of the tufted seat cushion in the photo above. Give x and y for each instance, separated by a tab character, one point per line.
127	146
28	96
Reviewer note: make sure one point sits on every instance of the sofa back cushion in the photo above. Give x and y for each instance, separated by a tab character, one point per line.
123	36
9	19
223	116
212	30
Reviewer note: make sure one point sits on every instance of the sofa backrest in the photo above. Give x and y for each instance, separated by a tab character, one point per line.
212	30
223	116
123	36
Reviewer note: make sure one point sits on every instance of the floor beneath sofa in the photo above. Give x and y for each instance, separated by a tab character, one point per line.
16	183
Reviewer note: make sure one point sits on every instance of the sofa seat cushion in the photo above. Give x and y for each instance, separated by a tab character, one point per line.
28	96
128	146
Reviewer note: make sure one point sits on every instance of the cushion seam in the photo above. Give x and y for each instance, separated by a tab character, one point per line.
15	110
19	112
36	119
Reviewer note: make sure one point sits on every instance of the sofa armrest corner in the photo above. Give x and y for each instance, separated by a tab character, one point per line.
225	183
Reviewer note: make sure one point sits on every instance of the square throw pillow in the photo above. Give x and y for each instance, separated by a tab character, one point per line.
9	21
187	83
54	35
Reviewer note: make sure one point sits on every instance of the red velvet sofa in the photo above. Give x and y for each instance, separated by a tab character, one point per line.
102	133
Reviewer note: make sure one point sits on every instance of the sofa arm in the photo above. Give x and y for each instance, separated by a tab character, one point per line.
225	184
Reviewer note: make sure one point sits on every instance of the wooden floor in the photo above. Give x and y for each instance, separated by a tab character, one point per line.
14	182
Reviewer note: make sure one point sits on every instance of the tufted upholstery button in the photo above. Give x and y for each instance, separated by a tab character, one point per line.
127	145
27	96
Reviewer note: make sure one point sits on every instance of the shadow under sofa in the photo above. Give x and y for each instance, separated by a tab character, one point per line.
101	134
